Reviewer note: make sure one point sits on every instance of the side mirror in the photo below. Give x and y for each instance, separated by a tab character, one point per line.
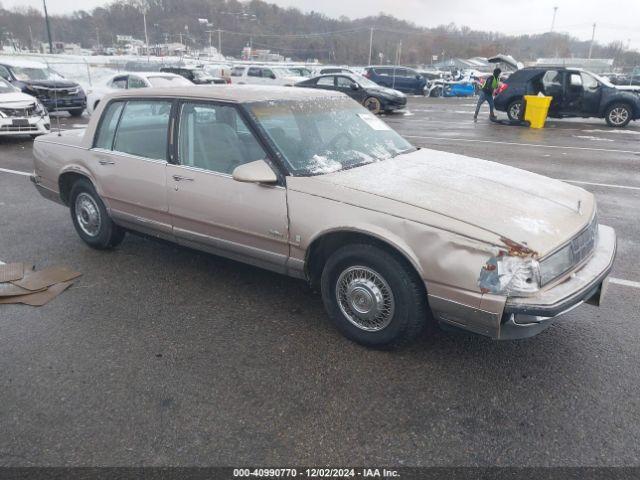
272	76
418	77
355	86
255	172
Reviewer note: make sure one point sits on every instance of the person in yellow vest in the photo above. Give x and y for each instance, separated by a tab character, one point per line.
486	93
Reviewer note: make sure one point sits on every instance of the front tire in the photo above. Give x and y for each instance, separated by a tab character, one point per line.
91	219
374	297
618	115
515	110
76	113
373	105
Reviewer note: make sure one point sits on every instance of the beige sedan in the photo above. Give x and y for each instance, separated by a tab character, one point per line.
310	184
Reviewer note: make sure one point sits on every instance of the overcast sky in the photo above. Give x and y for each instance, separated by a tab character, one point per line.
616	19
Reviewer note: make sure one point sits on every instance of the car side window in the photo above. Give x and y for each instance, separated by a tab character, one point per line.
589	82
136	82
267	73
383	71
254	72
325	81
4	72
143	129
344	82
119	82
575	80
237	71
108	125
552	78
215	138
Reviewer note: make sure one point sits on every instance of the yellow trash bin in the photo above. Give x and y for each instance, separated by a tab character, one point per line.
536	109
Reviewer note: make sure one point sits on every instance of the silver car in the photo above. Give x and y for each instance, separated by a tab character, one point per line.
310	184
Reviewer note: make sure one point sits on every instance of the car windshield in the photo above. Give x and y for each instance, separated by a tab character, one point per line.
285	72
25	74
166	81
602	80
325	135
364	82
201	74
6	87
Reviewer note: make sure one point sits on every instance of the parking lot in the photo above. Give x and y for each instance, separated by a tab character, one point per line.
160	355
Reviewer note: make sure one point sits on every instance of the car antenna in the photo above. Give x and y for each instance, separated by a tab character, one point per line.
55	101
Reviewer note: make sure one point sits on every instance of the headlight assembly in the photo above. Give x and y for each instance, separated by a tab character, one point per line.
510	275
556	264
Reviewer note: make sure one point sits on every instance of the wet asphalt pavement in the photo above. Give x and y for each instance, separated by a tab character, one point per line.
160	355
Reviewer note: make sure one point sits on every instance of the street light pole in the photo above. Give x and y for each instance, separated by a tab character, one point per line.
593	37
370	44
553	22
46	19
220	41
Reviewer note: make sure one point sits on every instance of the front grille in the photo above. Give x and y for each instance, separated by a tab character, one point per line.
15	128
19	112
585	242
59	93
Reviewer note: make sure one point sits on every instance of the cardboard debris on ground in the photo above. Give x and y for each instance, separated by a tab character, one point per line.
11	271
38	299
45	278
19	283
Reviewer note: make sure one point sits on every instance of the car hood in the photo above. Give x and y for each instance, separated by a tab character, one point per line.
16	100
50	83
628	88
387	91
446	190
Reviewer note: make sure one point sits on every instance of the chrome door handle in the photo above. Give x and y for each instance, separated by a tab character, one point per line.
106	162
180	178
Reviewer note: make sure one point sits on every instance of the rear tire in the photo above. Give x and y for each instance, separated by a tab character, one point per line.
374	297
373	105
618	115
91	219
515	110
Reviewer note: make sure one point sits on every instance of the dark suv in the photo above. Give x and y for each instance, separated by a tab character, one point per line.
195	75
404	79
36	79
575	92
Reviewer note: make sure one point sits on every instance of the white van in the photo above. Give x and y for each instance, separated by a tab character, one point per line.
264	75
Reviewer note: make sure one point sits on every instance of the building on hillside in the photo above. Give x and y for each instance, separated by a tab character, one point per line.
257	55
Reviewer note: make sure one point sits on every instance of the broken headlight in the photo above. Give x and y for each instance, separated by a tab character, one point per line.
510	275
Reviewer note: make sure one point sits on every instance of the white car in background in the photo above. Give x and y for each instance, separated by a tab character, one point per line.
128	80
264	75
21	114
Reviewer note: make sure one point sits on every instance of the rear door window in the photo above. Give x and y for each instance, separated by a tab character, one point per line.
119	82
325	81
143	129
254	72
108	125
237	71
136	82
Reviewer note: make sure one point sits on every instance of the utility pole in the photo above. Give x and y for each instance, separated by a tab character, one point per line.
593	37
46	19
220	41
370	44
553	22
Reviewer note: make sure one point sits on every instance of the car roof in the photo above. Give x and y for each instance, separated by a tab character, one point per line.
145	74
16	62
229	93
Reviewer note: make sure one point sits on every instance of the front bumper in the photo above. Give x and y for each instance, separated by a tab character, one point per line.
527	316
64	103
36	125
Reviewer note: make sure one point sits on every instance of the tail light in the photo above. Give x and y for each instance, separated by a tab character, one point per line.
501	88
367	74
228	80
